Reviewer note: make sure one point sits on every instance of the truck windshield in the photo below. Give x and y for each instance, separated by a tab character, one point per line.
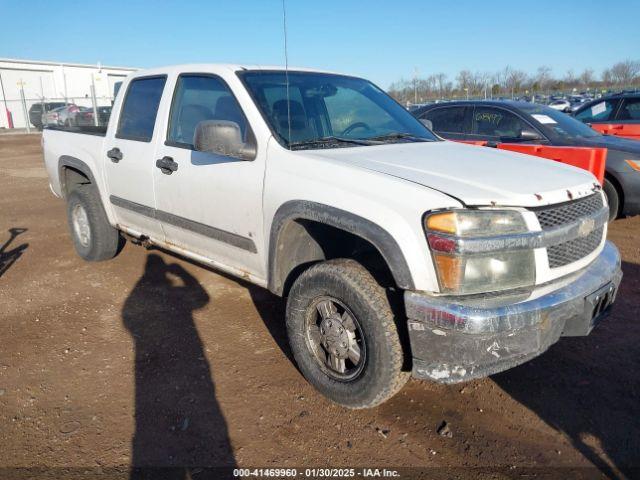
330	111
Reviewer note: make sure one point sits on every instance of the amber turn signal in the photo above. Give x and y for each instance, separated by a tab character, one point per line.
449	271
442	222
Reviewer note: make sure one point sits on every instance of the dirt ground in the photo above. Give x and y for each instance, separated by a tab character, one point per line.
150	360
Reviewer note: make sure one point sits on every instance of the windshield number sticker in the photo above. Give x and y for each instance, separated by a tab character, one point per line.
543	118
598	109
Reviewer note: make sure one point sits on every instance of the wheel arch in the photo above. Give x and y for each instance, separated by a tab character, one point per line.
68	163
292	247
619	190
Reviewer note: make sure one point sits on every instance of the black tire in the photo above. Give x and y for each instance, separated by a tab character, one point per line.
613	199
381	374
103	241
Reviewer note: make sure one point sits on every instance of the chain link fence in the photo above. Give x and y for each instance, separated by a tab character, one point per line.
32	114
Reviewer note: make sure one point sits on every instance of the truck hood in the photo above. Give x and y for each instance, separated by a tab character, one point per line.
474	175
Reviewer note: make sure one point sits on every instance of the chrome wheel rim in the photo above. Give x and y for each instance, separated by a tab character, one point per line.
335	338
81	228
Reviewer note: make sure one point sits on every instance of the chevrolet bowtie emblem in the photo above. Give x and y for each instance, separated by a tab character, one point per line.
586	227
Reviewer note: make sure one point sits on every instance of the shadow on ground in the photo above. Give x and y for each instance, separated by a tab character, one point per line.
180	431
589	387
9	257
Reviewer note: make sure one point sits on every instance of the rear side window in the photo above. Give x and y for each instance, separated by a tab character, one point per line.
598	112
630	109
138	114
446	120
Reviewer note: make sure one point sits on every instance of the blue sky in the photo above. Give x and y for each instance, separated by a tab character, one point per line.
380	40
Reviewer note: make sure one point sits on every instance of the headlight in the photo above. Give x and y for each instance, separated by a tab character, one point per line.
477	223
463	272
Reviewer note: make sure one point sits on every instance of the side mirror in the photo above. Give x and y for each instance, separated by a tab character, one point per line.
527	135
427	123
223	138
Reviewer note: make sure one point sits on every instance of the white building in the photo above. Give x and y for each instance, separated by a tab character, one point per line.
52	81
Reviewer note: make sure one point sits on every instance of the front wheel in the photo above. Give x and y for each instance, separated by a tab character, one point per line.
343	335
613	199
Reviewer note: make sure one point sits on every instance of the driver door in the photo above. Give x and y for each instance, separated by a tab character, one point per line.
210	205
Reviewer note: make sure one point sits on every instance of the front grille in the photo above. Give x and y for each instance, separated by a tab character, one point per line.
565	213
569	212
573	250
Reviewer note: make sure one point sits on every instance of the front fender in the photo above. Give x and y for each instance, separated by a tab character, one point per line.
344	220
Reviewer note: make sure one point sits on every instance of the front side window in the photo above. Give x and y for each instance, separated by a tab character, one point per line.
198	98
630	109
598	112
446	119
496	122
317	110
138	114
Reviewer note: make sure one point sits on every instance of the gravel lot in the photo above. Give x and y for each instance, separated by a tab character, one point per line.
151	360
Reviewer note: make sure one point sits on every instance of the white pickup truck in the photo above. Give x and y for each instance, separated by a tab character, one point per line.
398	252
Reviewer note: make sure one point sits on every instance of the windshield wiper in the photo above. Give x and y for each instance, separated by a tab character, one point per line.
398	136
330	140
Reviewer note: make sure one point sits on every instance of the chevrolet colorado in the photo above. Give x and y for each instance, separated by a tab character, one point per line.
398	252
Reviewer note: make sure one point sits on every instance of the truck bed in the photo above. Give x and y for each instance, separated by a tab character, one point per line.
83	144
100	130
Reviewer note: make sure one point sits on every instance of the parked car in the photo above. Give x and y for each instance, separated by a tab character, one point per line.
617	115
576	102
64	116
53	118
104	113
37	110
396	251
561	105
84	116
511	122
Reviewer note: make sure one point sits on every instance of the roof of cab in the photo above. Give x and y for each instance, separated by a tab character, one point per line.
217	67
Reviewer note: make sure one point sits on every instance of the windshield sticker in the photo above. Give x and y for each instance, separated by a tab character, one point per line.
492	118
598	109
543	118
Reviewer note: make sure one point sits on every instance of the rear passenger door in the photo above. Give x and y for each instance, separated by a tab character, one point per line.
449	122
129	156
210	205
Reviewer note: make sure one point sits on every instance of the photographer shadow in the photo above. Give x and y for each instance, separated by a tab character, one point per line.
180	431
8	258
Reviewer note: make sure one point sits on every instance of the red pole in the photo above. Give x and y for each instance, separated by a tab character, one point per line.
9	118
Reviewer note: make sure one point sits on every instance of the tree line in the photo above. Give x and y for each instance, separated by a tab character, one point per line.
511	82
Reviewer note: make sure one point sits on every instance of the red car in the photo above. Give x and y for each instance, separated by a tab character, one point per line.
617	115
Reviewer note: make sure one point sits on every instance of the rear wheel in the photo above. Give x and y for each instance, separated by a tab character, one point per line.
343	335
93	237
613	199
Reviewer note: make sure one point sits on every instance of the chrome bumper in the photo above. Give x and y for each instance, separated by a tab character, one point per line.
455	339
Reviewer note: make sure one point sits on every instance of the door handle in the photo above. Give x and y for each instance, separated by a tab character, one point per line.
167	165
115	155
